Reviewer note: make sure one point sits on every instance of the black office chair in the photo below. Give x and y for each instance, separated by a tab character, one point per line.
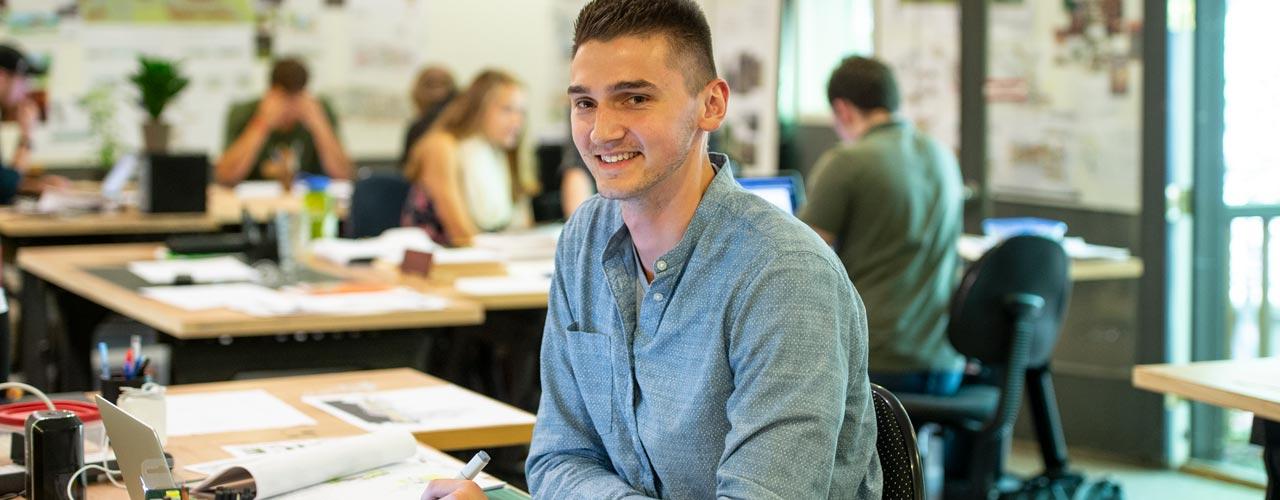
376	203
1006	314
896	446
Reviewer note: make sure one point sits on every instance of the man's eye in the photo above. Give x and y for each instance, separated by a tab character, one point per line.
636	100
583	104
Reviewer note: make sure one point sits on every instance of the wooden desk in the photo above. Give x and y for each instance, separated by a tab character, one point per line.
1098	270
189	450
972	247
223	209
1251	385
69	268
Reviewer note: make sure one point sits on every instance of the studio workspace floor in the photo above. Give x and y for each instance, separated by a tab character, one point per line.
1139	482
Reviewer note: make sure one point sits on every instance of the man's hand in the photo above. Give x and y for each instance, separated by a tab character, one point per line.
274	109
310	111
453	489
28	113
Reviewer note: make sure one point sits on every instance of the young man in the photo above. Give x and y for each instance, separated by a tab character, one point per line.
889	201
15	67
286	131
699	342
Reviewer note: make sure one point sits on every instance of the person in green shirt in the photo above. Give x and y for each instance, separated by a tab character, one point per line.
888	200
286	131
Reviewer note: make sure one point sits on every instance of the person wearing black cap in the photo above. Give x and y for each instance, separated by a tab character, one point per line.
286	131
15	67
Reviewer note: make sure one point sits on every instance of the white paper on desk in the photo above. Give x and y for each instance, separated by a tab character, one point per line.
538	243
389	246
224	269
256	300
1076	248
249	190
231	411
421	409
215	296
488	286
541	268
293	470
403	479
382	301
460	256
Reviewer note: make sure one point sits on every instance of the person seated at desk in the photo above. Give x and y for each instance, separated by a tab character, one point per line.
431	92
285	131
699	343
889	202
15	177
465	171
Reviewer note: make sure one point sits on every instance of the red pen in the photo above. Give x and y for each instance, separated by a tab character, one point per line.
128	364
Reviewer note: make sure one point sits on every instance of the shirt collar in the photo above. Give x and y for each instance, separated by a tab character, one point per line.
673	261
893	123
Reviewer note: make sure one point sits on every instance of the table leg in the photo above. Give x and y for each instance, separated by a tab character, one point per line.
1267	433
34	332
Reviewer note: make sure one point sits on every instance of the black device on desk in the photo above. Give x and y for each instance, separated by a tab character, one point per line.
54	452
256	241
177	183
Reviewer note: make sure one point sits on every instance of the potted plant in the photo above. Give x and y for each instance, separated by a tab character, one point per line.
158	81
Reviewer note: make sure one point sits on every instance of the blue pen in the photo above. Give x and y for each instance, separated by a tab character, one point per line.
104	361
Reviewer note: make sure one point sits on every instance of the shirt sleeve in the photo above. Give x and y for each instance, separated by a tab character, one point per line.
830	197
567	459
791	351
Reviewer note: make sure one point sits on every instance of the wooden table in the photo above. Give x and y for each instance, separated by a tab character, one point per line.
69	268
1099	270
224	208
1251	385
189	450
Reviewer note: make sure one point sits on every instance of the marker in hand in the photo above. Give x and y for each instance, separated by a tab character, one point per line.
473	468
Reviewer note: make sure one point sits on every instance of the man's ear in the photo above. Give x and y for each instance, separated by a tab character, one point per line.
843	111
714	105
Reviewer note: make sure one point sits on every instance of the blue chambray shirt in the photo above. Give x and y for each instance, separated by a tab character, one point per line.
742	375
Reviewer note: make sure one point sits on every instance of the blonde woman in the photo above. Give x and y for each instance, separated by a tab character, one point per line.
465	170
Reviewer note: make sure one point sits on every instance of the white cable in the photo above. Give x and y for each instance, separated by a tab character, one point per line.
35	392
39	394
81	471
110	473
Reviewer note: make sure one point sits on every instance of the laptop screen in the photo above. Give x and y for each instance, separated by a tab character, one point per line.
779	191
113	184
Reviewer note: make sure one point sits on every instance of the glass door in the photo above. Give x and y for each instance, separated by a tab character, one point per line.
1237	210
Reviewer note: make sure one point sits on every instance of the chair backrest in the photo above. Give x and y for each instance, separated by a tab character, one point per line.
981	326
376	203
896	446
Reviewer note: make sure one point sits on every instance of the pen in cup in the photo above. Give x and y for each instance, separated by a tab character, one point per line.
104	361
135	343
473	468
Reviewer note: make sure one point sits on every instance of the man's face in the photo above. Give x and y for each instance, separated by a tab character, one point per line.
634	120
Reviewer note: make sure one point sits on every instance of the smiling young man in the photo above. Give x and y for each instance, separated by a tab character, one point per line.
700	343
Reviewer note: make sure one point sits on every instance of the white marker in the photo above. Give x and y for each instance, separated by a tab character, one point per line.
473	468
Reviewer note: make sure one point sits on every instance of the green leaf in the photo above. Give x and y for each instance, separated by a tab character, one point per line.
158	81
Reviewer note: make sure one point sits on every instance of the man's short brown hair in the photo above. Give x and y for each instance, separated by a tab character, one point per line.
866	83
682	21
289	74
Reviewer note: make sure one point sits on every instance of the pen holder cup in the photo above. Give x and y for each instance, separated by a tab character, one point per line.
111	386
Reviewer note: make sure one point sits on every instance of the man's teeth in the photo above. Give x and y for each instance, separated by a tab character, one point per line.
618	157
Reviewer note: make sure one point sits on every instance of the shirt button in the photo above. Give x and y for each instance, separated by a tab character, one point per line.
661	265
657	297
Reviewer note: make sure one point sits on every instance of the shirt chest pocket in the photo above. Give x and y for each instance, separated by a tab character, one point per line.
591	356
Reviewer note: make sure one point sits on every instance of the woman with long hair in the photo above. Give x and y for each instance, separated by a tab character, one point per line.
465	170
